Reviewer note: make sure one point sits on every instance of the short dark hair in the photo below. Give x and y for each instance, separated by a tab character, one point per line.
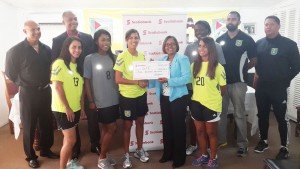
131	31
165	43
275	18
236	13
205	24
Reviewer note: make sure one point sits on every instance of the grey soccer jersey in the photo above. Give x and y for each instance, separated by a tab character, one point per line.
99	69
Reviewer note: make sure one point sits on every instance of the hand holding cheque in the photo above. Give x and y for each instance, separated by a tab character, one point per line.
151	70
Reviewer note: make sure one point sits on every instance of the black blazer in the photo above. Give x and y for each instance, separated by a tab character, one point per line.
87	42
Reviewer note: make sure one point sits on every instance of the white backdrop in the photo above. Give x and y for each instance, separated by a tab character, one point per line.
153	29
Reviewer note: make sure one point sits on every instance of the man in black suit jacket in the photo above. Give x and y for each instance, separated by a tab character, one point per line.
71	23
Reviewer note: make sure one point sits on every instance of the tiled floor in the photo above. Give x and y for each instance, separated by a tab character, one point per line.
12	155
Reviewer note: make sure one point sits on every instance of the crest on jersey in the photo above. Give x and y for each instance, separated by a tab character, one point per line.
238	43
274	51
127	113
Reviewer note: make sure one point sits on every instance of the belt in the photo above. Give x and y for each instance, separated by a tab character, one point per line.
37	87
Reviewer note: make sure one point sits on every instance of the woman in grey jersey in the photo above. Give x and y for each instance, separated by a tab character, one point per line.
102	92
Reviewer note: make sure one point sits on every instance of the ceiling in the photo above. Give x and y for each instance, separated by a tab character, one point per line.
184	5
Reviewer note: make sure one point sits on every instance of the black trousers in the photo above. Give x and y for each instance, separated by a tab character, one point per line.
265	97
35	107
174	128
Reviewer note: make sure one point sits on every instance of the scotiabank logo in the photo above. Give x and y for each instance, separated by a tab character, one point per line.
128	22
156	53
160	21
148	142
151	93
151	103
145	32
147	132
156	112
132	143
148	122
145	43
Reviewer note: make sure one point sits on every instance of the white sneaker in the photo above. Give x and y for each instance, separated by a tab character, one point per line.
110	159
190	149
104	164
142	155
73	165
127	161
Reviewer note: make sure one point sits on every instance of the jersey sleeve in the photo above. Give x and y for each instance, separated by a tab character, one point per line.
221	75
120	63
57	71
87	66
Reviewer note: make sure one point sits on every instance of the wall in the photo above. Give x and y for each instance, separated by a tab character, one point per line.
10	30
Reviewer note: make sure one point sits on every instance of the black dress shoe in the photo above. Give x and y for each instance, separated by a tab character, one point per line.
96	150
174	165
49	154
33	163
164	159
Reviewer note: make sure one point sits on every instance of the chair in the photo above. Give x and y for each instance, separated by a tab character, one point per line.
281	164
10	90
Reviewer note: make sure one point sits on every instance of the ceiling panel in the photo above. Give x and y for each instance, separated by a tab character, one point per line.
177	4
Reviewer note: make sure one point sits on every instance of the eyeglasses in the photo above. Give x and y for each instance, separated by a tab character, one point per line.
170	44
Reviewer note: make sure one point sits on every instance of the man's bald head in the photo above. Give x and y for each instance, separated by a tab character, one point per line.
70	21
32	31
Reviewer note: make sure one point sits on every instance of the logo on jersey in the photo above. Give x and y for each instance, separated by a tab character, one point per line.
120	61
238	43
274	51
127	113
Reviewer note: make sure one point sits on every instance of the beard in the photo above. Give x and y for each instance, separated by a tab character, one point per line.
231	28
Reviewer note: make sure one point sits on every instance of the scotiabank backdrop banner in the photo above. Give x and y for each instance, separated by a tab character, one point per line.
153	29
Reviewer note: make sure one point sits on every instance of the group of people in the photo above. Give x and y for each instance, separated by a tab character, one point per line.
87	78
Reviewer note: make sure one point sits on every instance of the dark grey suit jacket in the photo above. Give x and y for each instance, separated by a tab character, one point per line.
87	42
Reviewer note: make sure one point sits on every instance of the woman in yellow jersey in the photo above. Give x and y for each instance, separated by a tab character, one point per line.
67	97
133	98
209	85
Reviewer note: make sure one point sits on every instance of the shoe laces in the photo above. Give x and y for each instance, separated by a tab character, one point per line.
211	163
191	148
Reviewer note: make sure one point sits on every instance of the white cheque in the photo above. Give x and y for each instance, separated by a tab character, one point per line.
151	70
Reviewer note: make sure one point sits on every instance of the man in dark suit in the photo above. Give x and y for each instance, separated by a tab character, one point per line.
71	23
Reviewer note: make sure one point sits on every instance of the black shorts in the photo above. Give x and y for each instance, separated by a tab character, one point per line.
131	108
202	113
108	114
62	120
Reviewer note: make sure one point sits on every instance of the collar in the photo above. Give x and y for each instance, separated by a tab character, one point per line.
26	43
77	35
274	39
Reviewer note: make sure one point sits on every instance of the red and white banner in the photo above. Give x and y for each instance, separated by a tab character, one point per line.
153	29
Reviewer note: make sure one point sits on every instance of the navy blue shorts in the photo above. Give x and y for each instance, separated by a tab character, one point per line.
131	108
62	120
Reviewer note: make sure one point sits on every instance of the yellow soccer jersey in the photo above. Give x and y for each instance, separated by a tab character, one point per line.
207	91
124	65
72	85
